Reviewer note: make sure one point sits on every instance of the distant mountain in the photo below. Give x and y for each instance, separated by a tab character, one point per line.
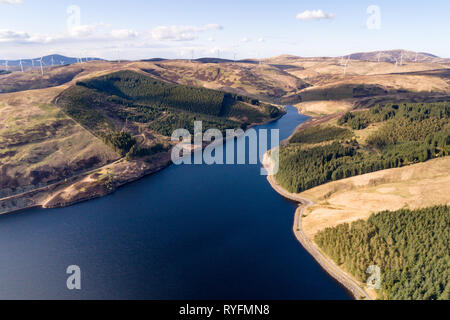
213	60
393	55
54	59
219	60
154	60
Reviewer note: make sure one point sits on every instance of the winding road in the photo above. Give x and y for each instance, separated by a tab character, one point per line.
329	266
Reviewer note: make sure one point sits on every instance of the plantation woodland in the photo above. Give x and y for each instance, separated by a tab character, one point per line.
407	134
411	247
107	104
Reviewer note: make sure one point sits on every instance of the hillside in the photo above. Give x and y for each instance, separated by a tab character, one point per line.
351	199
409	246
400	134
395	55
106	112
40	146
352	164
246	78
31	80
109	102
284	79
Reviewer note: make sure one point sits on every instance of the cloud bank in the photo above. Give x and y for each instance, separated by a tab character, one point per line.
11	1
181	33
314	15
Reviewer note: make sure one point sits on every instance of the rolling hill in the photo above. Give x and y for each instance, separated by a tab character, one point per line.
394	55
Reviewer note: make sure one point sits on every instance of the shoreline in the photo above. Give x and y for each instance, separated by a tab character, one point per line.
59	186
347	281
42	201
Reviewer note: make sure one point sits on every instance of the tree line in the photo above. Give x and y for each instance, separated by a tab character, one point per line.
409	246
129	86
411	111
410	134
319	134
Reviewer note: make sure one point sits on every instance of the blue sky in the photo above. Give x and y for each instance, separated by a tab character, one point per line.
136	29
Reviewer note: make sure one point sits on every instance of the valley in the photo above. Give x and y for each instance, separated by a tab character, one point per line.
378	138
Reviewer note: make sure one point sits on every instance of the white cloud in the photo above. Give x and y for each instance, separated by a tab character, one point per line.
85	30
214	51
13	36
261	40
181	33
245	40
314	15
77	34
11	1
124	34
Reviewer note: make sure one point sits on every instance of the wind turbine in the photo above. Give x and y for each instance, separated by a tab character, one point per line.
401	58
118	56
86	58
415	60
32	63
42	69
6	65
379	55
52	60
21	65
61	62
346	64
396	63
345	67
260	59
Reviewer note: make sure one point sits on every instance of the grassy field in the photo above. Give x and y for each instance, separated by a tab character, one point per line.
40	144
263	81
416	186
31	80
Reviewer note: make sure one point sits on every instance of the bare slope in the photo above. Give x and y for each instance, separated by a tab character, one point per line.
416	186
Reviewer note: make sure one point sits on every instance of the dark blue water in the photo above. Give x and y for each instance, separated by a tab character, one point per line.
187	232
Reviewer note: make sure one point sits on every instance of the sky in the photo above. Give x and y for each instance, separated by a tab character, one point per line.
141	29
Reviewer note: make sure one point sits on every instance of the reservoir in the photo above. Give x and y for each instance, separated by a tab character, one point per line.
187	232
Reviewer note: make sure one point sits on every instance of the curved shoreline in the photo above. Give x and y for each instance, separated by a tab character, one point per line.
329	266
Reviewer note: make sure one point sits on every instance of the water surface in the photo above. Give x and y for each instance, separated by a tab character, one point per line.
187	232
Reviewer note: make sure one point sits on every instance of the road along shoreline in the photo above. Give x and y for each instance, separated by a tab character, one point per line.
329	266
